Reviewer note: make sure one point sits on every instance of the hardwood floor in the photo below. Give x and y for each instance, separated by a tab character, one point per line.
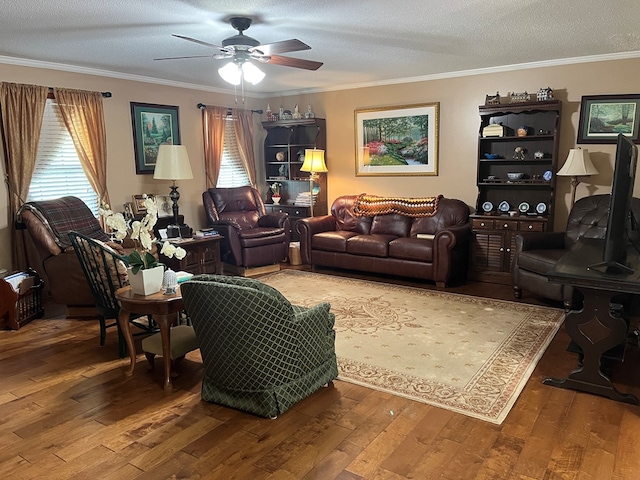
69	412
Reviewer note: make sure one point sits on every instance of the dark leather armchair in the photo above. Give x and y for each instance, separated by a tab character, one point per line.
251	237
537	252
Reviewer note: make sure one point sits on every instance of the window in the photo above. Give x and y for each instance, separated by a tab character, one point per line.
58	171
232	172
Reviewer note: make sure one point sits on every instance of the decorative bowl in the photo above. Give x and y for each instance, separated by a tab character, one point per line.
515	175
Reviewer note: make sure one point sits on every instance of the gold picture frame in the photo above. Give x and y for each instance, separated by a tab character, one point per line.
400	140
137	205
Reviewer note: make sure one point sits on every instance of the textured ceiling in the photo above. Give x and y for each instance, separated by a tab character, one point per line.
377	41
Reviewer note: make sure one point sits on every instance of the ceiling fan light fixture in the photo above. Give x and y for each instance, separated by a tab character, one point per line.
252	74
231	73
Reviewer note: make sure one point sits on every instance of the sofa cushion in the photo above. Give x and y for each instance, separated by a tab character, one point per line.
391	224
371	245
254	237
332	241
412	248
539	261
342	211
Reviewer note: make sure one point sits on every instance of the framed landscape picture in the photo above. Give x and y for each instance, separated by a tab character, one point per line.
603	117
399	140
153	125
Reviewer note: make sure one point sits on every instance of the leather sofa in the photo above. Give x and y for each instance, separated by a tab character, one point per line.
388	243
537	252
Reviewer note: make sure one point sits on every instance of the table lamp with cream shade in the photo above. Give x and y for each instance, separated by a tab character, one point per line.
578	164
314	164
173	164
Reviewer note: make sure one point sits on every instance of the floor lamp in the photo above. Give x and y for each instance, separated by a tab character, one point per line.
173	164
578	164
314	164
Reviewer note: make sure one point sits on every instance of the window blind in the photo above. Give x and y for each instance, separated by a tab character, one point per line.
232	172
58	171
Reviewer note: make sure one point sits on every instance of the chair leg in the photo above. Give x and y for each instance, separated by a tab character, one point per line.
122	345
103	330
150	359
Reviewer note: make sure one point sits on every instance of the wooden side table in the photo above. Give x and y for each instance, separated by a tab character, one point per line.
164	309
203	256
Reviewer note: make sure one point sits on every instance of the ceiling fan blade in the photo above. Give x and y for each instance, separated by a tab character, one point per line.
200	42
294	62
284	46
190	56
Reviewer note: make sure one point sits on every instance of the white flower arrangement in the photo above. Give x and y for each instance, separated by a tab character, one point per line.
142	235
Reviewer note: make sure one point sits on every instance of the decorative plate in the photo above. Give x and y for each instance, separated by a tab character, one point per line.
524	207
547	175
504	206
487	207
541	208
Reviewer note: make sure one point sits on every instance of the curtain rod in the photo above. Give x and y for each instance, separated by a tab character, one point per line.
202	105
104	94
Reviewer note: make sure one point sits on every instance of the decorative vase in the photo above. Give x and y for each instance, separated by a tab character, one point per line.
276	200
147	281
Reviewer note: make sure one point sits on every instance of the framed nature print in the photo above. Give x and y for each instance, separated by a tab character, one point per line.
153	125
603	117
399	140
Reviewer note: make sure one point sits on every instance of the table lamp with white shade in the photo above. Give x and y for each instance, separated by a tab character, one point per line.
314	164
173	164
578	164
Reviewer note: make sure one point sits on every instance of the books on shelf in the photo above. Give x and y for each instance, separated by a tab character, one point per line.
304	199
205	233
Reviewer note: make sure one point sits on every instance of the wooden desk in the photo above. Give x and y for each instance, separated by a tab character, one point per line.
164	309
595	329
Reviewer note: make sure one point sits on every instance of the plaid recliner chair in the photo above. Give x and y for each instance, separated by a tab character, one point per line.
49	223
260	353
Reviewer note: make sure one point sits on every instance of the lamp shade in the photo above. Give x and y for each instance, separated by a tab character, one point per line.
172	163
313	161
231	73
578	164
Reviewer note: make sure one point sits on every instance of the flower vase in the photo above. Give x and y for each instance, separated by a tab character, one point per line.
276	200
147	281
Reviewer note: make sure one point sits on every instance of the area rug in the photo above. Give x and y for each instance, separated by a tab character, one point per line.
467	354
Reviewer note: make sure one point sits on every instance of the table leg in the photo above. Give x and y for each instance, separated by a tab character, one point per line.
164	322
595	331
125	328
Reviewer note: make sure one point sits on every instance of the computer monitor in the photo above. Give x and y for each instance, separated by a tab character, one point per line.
620	222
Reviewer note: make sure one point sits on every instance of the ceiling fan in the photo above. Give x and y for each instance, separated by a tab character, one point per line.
241	48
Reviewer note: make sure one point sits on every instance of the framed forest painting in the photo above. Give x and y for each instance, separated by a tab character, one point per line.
399	140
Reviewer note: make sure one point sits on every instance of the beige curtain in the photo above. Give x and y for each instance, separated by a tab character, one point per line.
22	108
243	125
213	119
83	115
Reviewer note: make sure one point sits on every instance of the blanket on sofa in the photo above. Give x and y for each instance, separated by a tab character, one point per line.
372	205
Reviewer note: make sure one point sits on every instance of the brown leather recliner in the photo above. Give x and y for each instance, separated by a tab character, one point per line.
48	223
537	252
251	237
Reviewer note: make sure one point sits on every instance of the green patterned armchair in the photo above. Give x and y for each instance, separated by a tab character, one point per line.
260	353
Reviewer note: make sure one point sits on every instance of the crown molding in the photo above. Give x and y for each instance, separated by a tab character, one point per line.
467	73
395	81
23	62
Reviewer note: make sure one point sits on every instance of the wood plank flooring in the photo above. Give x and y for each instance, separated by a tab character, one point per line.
67	411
